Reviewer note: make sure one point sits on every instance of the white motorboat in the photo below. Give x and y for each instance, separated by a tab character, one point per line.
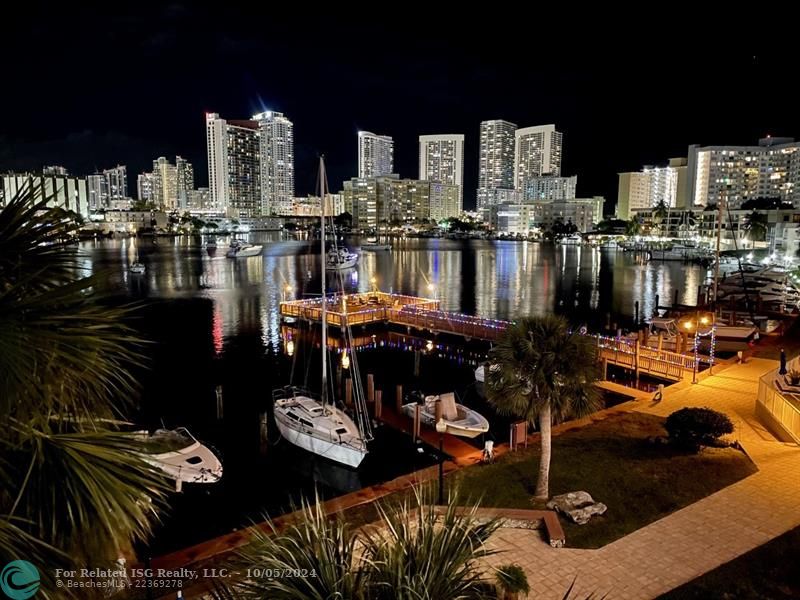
322	429
727	337
211	244
574	239
374	245
316	425
460	420
240	249
339	259
682	253
181	457
137	268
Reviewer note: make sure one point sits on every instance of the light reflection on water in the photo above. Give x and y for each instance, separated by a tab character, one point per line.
494	279
233	343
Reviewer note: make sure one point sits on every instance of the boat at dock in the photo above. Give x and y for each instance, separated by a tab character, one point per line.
683	253
181	457
137	268
460	420
316	424
727	337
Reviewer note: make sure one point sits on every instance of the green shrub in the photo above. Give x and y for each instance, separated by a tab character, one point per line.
693	428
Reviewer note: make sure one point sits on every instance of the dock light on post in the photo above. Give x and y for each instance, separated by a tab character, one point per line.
374	282
286	292
432	290
441	427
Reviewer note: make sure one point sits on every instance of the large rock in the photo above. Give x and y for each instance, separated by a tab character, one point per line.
579	507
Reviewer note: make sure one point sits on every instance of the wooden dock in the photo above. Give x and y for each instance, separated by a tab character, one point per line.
379	307
641	359
424	314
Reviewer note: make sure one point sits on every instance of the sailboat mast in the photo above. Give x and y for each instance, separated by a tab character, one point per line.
719	239
324	393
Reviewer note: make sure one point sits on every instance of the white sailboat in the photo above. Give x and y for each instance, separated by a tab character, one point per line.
315	424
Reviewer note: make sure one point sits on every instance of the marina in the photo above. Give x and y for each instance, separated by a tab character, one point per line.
227	327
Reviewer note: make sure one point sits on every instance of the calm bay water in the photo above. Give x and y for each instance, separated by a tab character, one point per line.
220	346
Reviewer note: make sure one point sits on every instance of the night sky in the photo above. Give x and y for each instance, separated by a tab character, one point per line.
91	86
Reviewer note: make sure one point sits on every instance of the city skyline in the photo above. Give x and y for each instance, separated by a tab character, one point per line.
450	83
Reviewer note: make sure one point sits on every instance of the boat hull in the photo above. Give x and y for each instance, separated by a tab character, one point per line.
453	428
376	247
341	266
244	253
338	453
174	464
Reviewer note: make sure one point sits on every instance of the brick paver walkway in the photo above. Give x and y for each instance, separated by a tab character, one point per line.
695	539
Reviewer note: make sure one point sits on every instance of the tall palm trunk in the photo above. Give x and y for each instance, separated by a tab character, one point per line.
545	423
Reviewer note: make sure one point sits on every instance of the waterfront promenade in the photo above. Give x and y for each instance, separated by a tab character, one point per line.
695	539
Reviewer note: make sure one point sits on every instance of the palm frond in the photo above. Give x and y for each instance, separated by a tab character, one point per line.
62	352
33	240
538	360
89	494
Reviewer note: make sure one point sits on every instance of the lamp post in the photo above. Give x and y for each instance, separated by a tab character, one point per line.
441	427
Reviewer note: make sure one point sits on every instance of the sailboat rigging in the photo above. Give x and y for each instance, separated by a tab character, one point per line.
317	425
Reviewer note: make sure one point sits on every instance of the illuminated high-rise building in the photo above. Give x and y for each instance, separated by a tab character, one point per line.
495	162
234	165
276	156
441	160
537	152
375	154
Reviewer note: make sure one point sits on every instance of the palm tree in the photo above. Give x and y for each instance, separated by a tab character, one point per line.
633	227
74	490
755	225
660	214
546	372
412	553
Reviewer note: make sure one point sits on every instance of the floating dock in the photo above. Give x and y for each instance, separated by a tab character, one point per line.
425	314
379	307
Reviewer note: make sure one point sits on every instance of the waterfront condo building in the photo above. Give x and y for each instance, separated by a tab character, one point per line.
537	152
652	185
740	173
375	154
234	165
495	161
441	160
276	158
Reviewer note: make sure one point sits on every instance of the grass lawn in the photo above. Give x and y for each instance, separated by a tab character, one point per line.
767	573
611	460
